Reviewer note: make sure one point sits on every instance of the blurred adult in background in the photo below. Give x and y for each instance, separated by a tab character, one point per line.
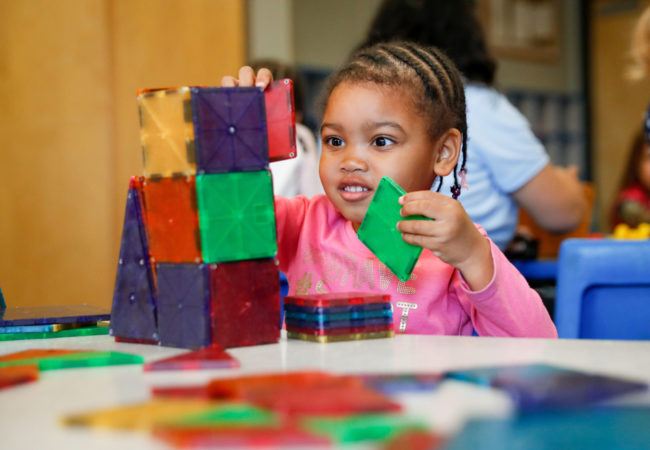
297	176
507	166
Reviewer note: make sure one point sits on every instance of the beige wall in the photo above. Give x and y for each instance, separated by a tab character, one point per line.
68	127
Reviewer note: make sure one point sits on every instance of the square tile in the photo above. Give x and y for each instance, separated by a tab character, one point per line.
236	216
167	132
230	129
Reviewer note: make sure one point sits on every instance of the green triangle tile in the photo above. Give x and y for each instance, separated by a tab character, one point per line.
359	428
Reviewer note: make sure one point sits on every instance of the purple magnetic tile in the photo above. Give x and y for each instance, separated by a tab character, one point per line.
44	315
134	306
230	129
183	305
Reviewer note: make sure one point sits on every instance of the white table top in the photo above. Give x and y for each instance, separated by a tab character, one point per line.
30	414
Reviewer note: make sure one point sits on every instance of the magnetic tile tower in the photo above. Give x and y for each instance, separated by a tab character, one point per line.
197	257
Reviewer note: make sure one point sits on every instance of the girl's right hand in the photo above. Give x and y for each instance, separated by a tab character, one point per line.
248	78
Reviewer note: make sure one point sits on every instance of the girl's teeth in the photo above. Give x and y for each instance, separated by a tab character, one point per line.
355	189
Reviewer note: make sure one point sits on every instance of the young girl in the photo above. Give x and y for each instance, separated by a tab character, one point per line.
632	205
398	110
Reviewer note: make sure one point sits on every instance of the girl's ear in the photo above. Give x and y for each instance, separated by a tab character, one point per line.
448	152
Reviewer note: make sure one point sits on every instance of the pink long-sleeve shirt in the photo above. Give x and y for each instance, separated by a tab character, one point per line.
319	252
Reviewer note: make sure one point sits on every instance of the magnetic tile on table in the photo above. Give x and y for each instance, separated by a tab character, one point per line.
212	357
134	306
236	216
49	328
245	303
334	324
286	436
43	315
379	232
364	427
181	392
171	220
227	415
167	132
340	331
323	339
37	353
230	129
397	383
184	305
337	299
280	120
12	376
332	317
73	332
350	309
76	360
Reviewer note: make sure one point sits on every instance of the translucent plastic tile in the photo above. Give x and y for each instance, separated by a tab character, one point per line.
74	332
183	305
324	324
245	303
37	353
43	315
351	309
181	392
243	387
134	307
281	120
340	337
324	318
212	357
167	132
316	331
12	376
171	219
237	216
230	127
77	360
49	328
286	436
379	232
337	300
363	428
398	383
227	415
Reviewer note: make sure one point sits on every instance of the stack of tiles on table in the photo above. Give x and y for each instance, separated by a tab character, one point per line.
338	317
197	261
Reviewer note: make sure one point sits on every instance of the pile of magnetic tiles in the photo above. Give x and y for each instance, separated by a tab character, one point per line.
338	317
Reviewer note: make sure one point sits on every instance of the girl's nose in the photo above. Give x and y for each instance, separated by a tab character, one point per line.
353	162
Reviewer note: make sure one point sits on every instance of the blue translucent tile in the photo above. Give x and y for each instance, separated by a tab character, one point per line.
329	324
43	315
321	318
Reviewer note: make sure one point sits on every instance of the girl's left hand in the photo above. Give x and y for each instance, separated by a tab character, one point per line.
451	236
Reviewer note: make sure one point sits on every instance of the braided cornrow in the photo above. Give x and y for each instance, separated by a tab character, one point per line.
435	83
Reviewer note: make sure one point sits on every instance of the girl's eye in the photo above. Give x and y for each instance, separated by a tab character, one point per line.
334	141
383	141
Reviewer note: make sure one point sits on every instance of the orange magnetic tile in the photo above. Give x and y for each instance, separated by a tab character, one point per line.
37	353
11	376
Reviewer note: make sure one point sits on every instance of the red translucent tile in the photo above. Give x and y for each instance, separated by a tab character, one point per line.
245	303
415	440
242	437
11	376
281	120
181	392
171	219
336	299
126	340
207	358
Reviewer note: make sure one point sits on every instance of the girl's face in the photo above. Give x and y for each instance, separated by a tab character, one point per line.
370	131
644	166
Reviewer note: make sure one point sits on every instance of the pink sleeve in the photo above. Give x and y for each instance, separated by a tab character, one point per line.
507	306
290	217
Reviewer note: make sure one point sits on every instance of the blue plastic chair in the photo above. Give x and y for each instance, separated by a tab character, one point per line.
603	289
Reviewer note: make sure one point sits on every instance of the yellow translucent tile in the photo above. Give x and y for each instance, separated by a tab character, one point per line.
167	132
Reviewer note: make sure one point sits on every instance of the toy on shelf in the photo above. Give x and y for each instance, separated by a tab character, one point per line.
338	317
197	259
623	231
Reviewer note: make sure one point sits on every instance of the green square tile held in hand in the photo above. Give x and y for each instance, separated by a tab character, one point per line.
380	234
236	216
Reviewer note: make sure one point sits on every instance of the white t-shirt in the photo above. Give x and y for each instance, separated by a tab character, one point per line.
503	154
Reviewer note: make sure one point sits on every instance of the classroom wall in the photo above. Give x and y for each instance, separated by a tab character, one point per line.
69	71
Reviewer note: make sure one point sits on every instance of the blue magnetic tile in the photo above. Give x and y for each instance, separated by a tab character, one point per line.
44	315
28	329
325	318
134	305
184	305
329	324
230	129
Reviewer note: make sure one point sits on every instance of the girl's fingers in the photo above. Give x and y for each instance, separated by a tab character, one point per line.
420	227
418	195
246	76
424	207
228	81
264	78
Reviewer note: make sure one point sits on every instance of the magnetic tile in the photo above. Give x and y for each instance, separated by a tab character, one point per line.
327	317
245	303
181	392
363	428
227	415
398	383
140	416
73	332
230	128
212	357
280	120
134	306
43	315
49	328
341	330
340	299
323	339
76	360
351	309
171	219
287	436
379	232
12	376
167	132
415	439
183	305
334	324
37	353
236	216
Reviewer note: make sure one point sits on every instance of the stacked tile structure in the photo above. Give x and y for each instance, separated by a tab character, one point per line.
197	258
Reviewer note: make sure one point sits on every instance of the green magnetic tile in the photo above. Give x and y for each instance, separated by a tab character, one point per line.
236	216
75	360
359	428
228	416
75	332
379	232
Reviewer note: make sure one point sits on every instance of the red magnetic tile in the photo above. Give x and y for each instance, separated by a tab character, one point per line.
171	219
336	299
415	440
184	392
11	376
127	340
266	437
245	303
37	353
208	358
280	120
